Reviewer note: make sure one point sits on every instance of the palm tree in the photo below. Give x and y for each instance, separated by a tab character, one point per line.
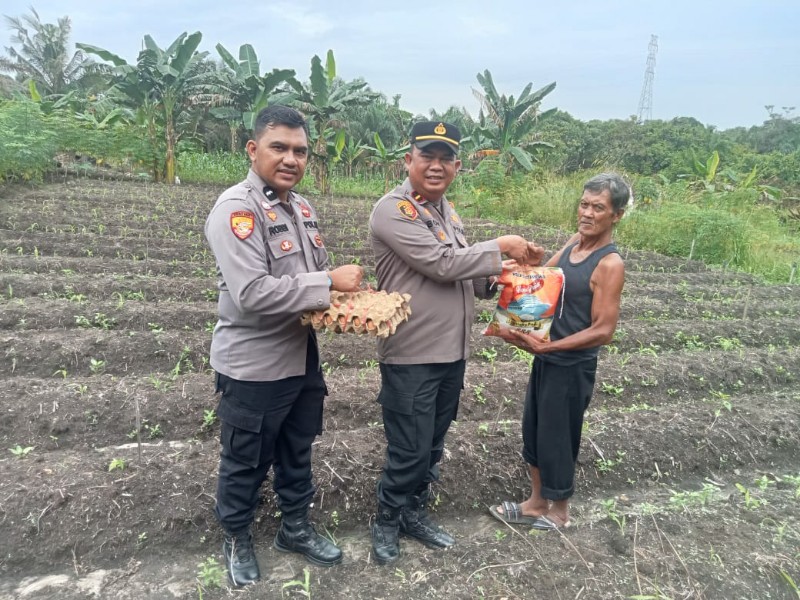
42	56
161	86
507	125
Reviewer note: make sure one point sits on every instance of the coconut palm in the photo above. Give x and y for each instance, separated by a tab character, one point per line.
507	124
42	55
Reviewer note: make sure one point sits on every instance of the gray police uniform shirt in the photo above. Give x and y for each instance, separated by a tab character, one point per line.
270	268
420	249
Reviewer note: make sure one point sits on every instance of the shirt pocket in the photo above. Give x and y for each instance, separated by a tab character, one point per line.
283	246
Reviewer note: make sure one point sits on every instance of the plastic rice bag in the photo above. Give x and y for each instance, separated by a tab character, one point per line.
528	300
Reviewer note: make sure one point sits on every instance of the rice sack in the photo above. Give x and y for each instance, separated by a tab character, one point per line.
528	300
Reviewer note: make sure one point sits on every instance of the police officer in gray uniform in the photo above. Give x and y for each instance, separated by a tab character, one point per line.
271	266
421	249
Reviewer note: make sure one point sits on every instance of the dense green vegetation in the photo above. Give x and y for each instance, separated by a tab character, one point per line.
726	197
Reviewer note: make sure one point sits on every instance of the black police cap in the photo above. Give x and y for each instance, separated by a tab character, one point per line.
426	133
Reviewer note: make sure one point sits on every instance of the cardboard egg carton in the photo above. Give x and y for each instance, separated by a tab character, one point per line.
364	312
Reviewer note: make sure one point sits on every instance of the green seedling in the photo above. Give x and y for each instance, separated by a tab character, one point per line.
610	508
604	465
117	464
490	354
750	502
209	418
210	573
611	389
21	452
699	498
478	392
304	585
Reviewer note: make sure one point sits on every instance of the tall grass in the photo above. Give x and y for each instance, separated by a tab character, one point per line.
224	168
722	228
726	228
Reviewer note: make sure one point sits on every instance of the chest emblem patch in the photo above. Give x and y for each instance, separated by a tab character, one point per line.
318	241
407	209
305	210
286	245
242	223
441	235
272	215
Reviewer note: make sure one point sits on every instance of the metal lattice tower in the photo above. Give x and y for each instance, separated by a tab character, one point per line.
646	99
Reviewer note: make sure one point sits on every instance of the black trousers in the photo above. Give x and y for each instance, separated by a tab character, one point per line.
267	424
419	402
552	422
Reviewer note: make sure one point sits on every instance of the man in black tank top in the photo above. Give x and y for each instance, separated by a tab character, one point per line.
563	373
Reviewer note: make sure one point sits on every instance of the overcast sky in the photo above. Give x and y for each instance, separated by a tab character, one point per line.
720	62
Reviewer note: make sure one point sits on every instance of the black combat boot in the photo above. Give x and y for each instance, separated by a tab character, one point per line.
385	544
415	522
240	559
297	535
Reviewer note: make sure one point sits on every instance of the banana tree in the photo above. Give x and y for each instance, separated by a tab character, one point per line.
160	86
388	160
324	100
242	91
350	154
703	175
508	124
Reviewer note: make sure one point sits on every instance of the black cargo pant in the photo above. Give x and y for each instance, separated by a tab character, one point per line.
552	422
419	402
267	424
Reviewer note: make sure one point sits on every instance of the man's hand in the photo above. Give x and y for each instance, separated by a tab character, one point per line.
535	254
527	342
346	278
520	250
513	246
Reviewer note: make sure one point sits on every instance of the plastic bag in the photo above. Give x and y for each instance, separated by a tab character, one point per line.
528	300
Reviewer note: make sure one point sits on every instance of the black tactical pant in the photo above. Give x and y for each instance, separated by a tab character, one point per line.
419	402
552	422
267	424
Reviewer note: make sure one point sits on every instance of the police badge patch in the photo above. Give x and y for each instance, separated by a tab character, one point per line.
242	223
407	209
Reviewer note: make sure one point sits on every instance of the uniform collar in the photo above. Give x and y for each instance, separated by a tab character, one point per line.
261	185
408	190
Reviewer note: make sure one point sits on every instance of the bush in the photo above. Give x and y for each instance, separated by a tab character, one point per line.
29	142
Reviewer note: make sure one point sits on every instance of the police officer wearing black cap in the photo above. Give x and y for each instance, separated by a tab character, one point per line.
271	267
421	249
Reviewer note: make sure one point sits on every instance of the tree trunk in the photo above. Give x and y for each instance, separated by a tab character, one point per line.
169	160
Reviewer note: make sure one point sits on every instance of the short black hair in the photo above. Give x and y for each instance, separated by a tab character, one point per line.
619	190
278	114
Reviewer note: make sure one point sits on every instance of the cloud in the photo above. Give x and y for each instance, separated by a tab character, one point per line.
304	21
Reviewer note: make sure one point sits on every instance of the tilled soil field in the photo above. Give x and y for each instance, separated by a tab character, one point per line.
689	476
